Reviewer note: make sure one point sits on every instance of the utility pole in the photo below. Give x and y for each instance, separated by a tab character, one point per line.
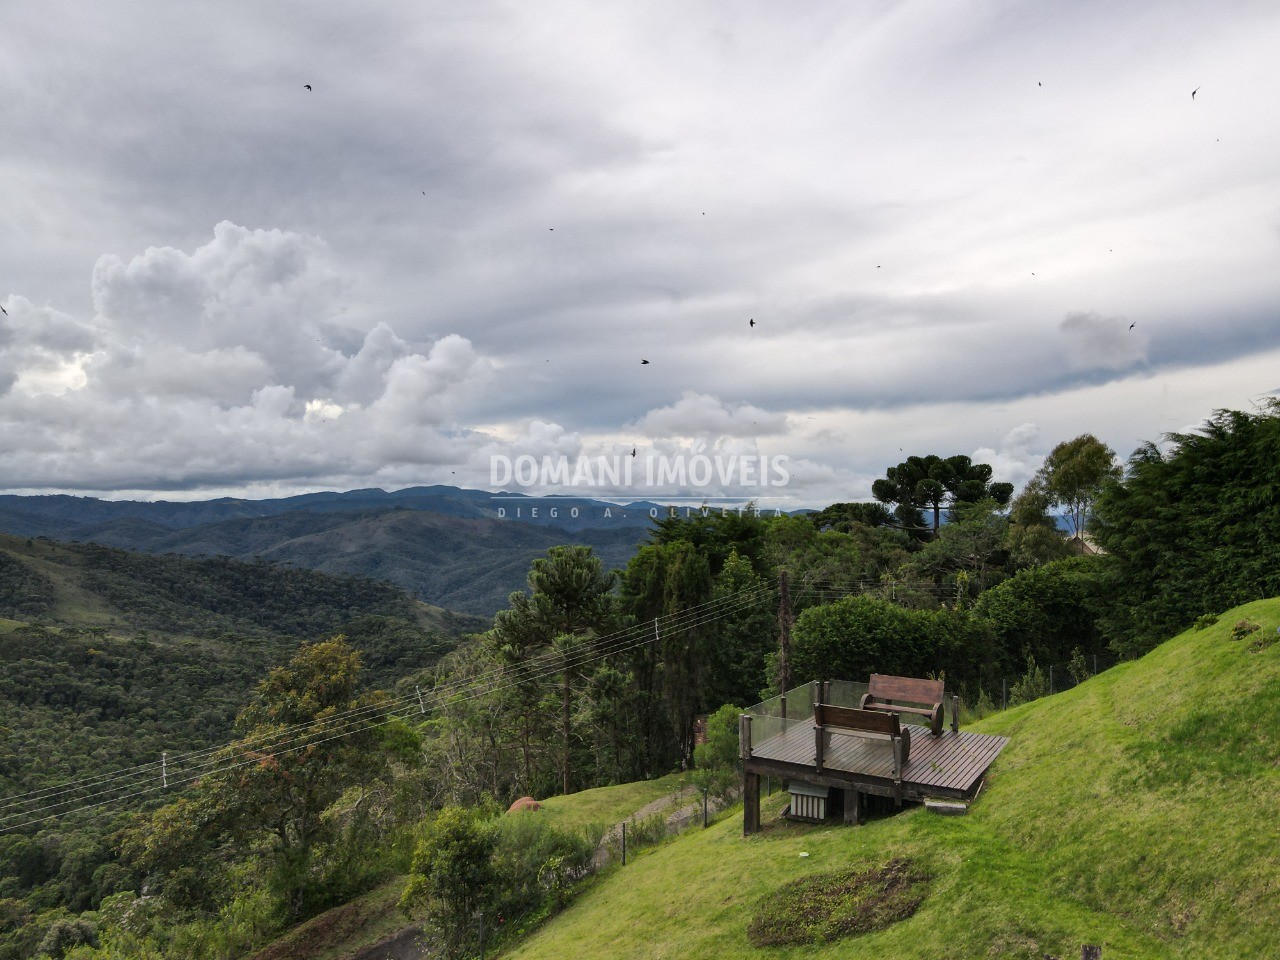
784	633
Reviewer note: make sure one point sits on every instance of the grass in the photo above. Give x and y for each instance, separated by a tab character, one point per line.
1139	811
606	806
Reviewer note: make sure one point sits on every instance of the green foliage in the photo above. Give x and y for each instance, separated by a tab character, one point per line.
933	483
25	594
716	767
1045	612
276	805
857	636
1031	686
1074	473
513	871
65	933
1194	530
843	517
967	555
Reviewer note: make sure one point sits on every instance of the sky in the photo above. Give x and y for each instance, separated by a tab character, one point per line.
961	227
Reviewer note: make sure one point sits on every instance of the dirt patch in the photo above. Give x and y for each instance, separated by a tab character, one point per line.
830	906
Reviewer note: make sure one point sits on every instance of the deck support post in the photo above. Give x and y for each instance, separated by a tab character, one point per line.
744	735
897	771
817	747
852	805
750	803
955	713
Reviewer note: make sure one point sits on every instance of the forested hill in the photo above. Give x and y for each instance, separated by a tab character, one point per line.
91	586
444	545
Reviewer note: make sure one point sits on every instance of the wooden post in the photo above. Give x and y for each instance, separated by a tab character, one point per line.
624	843
784	706
744	735
955	713
817	746
815	692
750	803
826	691
784	637
852	805
897	771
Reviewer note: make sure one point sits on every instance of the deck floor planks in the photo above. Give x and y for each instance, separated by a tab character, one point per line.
952	761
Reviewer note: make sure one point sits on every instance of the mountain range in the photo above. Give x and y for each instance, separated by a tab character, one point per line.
466	550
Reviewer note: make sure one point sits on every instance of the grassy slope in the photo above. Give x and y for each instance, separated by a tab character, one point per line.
1140	810
607	806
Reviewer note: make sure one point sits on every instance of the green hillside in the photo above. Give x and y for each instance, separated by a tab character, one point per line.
91	586
1139	811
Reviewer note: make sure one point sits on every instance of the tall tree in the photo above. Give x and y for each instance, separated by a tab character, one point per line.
276	782
570	602
933	483
1074	473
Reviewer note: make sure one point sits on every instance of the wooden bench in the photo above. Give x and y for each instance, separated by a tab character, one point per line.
885	694
848	721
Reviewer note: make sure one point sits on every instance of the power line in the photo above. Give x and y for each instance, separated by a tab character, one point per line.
263	739
614	644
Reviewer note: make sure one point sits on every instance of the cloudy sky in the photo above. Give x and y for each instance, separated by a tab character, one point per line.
960	227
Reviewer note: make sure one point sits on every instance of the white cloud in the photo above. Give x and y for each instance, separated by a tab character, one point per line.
701	415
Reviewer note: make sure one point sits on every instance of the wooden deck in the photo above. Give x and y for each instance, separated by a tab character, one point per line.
950	766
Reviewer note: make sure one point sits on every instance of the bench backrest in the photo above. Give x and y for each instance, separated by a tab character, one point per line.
869	721
908	689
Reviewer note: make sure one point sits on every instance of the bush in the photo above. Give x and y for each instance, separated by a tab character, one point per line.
1045	612
515	870
1033	685
65	933
857	636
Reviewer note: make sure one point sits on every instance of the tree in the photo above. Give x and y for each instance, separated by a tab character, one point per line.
1074	473
1195	530
1034	538
932	483
842	516
569	602
298	752
453	871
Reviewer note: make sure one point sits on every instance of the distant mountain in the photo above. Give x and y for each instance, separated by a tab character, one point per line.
29	516
462	549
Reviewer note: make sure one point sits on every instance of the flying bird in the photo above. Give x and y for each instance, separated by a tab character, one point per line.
751	322
633	451
1039	83
307	85
1132	325
1193	93
4	311
644	361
